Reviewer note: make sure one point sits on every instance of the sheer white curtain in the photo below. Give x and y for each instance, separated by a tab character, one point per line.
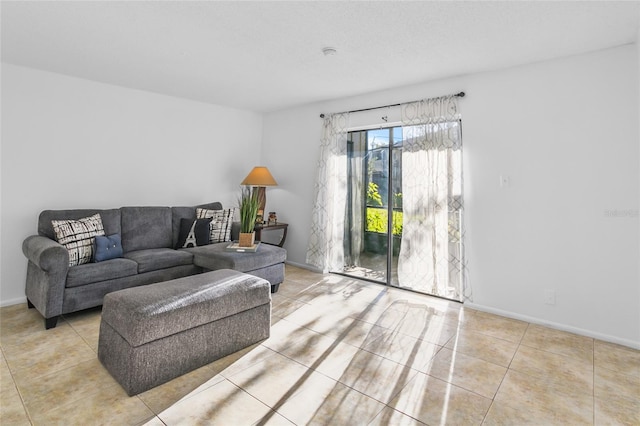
326	248
431	253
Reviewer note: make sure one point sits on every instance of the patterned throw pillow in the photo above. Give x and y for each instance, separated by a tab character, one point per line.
220	225
194	233
78	236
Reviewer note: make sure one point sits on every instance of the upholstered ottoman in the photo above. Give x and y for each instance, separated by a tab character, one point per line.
154	333
267	262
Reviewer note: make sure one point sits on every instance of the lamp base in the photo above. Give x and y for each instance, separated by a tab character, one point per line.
262	198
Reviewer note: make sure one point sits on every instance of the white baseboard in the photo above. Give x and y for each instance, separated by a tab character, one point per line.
304	266
13	301
557	326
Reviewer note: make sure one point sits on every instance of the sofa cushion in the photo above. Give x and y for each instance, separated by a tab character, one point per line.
78	237
107	247
161	258
102	271
221	223
179	213
146	228
215	256
194	233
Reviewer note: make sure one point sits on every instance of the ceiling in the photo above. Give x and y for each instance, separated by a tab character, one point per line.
265	56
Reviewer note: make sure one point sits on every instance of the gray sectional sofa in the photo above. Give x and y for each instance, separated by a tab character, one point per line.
148	237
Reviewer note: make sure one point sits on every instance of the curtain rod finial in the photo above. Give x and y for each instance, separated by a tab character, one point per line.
461	94
321	115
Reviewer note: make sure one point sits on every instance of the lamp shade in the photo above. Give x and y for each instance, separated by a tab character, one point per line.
259	176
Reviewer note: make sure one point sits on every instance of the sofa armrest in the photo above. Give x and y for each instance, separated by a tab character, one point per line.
46	276
46	254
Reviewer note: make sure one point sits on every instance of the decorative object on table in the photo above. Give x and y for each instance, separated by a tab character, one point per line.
259	178
248	205
273	218
236	247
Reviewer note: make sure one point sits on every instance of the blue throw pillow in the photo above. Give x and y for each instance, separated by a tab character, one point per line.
107	247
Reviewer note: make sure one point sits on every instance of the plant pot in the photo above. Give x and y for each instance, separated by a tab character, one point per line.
246	239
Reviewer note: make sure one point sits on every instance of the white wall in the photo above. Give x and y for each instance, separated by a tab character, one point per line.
72	143
566	132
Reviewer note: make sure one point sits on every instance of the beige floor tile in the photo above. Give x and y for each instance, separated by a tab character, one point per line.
240	360
107	405
164	396
376	376
56	352
351	295
87	325
332	362
17	321
482	346
404	301
609	383
617	397
389	416
494	325
305	287
559	342
321	319
617	358
403	349
63	386
322	401
311	351
617	411
154	422
283	306
436	402
304	396
418	321
470	373
337	325
12	410
565	373
378	314
351	331
501	414
434	330
301	276
273	380
541	399
5	374
221	404
286	333
30	339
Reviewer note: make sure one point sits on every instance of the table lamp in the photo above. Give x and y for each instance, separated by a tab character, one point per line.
259	178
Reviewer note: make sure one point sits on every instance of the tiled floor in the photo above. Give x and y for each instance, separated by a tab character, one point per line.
341	352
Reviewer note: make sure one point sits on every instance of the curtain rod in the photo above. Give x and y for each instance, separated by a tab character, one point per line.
459	95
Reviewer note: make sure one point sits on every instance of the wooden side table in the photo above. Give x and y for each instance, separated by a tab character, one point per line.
259	229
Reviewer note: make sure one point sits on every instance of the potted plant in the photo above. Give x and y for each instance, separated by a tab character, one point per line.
248	204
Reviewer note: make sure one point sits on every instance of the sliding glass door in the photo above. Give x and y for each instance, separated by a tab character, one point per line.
427	255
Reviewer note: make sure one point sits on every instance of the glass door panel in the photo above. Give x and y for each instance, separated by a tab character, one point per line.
374	205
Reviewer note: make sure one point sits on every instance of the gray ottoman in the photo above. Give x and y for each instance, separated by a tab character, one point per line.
267	262
154	333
